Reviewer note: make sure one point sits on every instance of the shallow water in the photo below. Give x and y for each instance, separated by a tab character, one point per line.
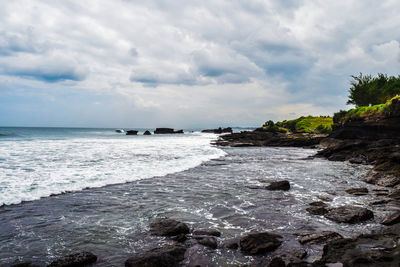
112	221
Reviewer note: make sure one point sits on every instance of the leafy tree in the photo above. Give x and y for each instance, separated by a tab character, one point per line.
366	90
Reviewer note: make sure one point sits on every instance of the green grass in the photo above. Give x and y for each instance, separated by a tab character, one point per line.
308	124
364	112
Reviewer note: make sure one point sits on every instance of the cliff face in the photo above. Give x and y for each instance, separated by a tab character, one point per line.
369	140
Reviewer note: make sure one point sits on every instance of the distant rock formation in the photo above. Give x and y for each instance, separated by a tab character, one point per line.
167	131
218	131
147	132
131	132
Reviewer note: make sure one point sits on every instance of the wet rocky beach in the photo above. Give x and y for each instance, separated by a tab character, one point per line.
228	196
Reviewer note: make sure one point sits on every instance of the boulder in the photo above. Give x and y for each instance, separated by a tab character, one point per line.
168	227
365	250
167	256
357	191
319	237
259	243
197	256
317	210
318	204
179	132
131	132
147	132
277	262
210	232
279	185
395	194
24	264
164	131
218	131
392	219
208	241
349	214
232	244
74	260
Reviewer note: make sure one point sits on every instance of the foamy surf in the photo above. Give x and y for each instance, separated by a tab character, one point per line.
31	169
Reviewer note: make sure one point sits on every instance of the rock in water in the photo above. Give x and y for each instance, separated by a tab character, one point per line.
357	191
147	132
318	238
392	219
168	227
258	243
131	132
75	260
168	256
349	214
208	241
279	185
315	210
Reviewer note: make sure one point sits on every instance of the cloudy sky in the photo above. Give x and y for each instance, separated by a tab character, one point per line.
128	63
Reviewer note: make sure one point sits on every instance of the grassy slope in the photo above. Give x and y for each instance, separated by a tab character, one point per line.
308	124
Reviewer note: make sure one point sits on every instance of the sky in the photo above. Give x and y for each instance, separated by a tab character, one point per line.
187	64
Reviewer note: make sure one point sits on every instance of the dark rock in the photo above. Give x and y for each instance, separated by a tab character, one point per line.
24	264
357	191
179	132
279	185
168	227
258	243
75	260
180	238
208	241
319	237
232	244
324	198
317	210
382	179
210	232
365	250
131	132
349	214
277	262
147	132
379	201
196	256
241	144
318	204
218	131
395	194
167	256
392	219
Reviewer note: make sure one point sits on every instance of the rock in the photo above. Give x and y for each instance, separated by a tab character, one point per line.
147	132
318	204
379	201
325	198
232	244
24	264
208	241
180	238
210	232
241	144
392	219
167	256
131	132
277	262
74	260
167	131
255	187
195	256
315	210
168	227
349	214
179	132
382	179
319	237
279	185
395	194
218	131
357	191
258	243
365	250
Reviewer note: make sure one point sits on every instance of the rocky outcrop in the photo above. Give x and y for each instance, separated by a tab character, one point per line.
147	132
264	138
167	256
279	185
392	219
357	191
319	237
131	132
78	259
167	131
349	214
168	227
365	250
259	243
208	241
218	131
209	232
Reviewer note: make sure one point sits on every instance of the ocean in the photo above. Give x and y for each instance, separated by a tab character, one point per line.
64	190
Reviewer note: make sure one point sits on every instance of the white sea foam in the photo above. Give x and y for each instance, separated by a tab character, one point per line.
31	169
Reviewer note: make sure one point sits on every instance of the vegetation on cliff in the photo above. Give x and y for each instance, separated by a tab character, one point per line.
365	112
309	124
366	90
